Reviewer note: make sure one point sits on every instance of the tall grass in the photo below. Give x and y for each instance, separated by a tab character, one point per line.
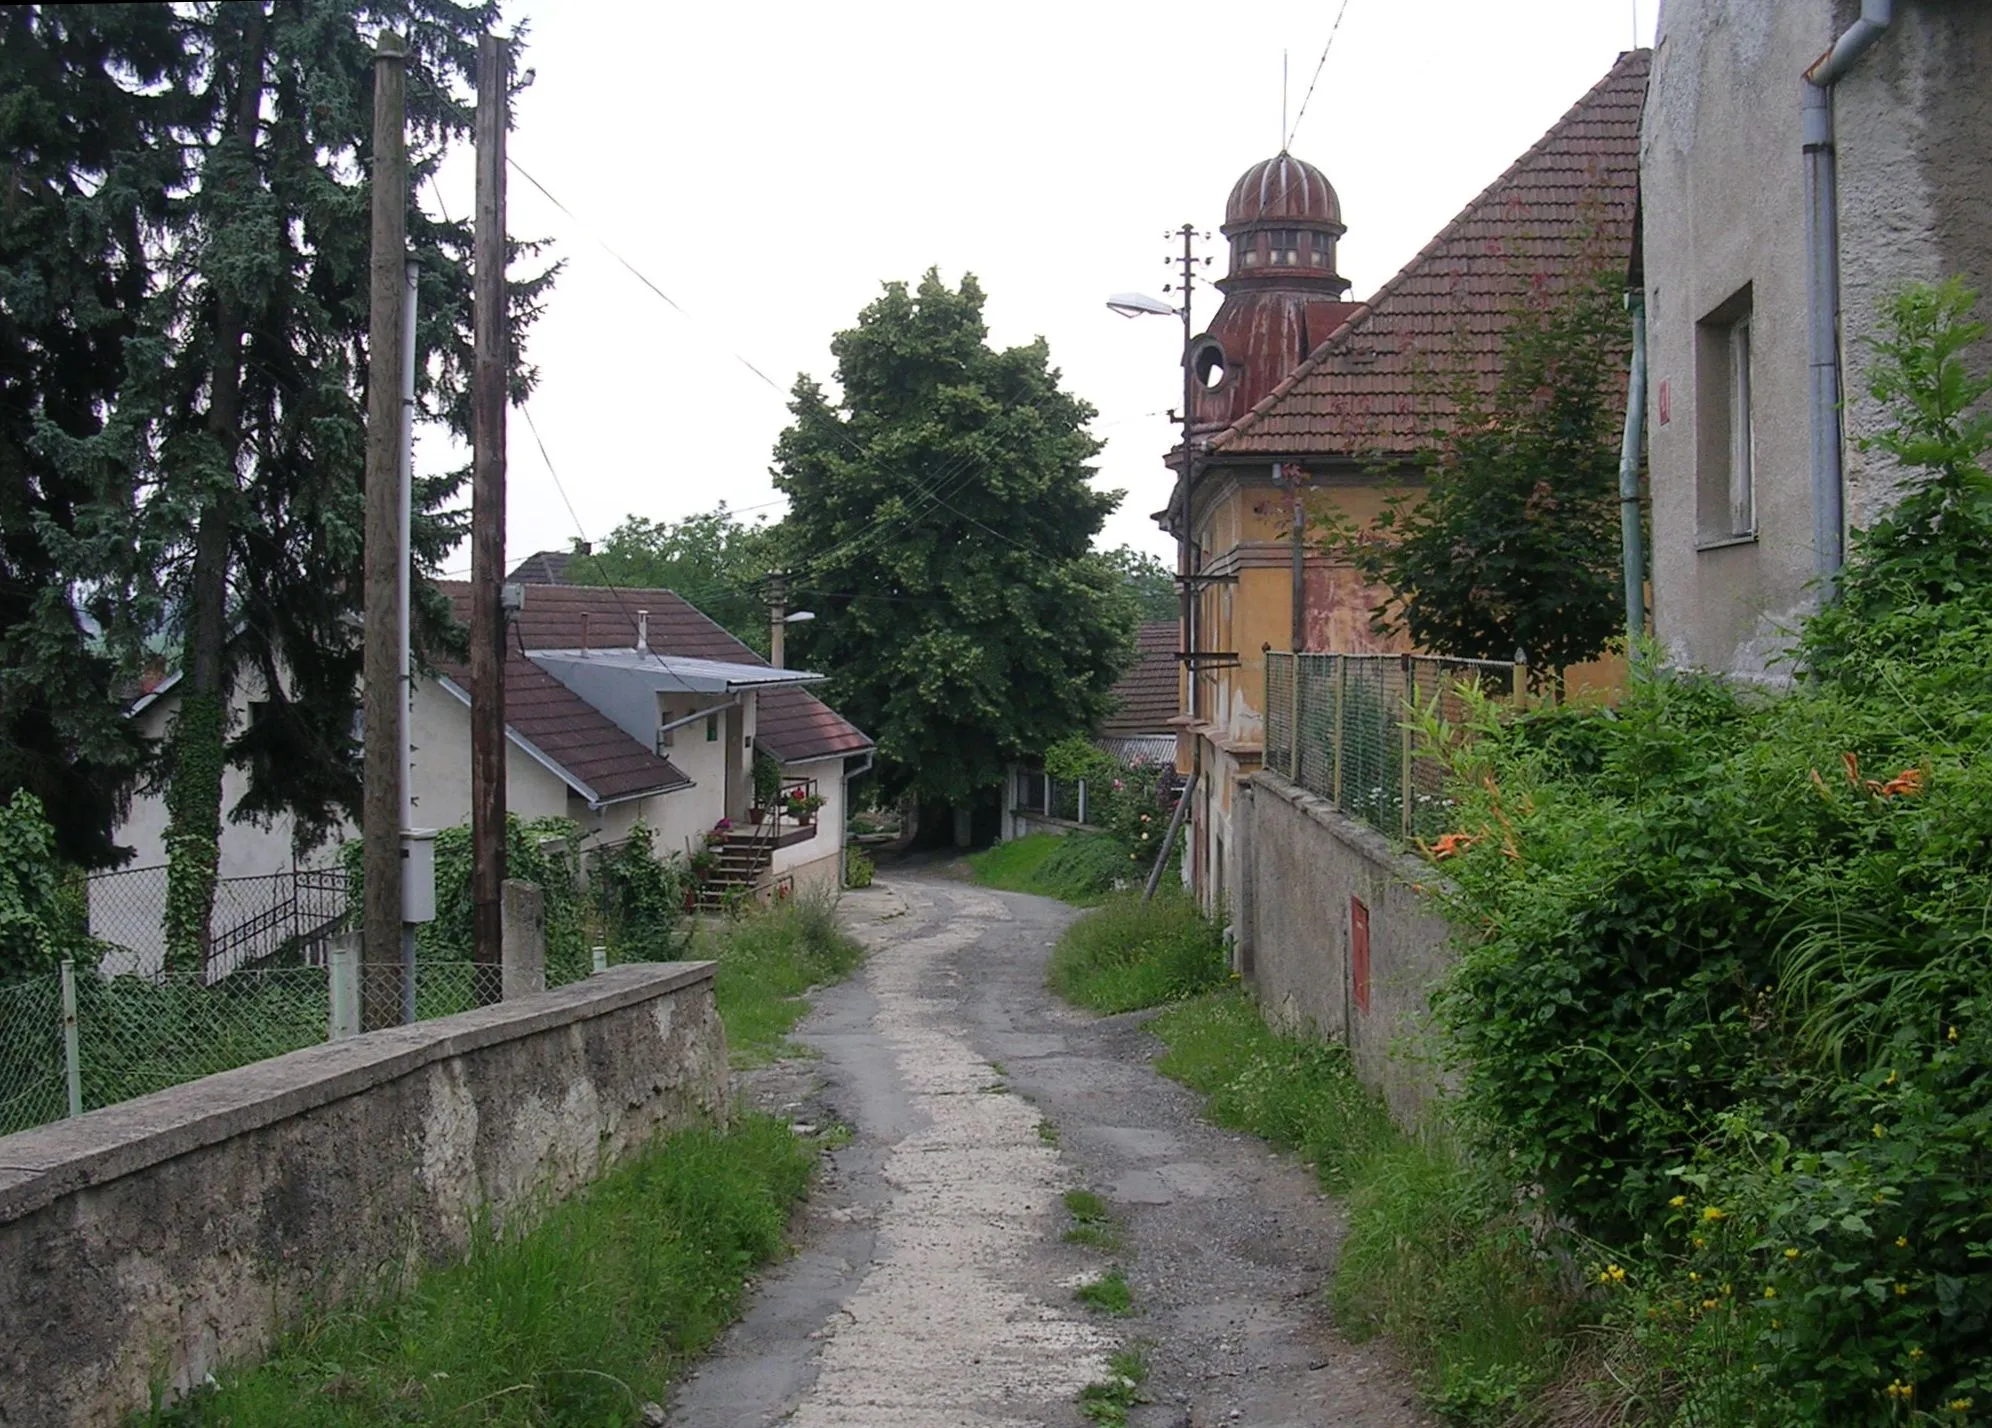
767	961
579	1320
1079	868
1128	954
1438	1254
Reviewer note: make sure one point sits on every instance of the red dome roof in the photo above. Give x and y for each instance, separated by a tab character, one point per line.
1282	188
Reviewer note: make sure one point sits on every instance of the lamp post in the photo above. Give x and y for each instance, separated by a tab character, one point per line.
1141	305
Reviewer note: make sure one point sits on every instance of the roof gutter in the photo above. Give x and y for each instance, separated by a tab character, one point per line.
1822	280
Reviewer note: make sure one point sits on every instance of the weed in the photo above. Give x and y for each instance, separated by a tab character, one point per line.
1129	953
1108	1401
1109	1293
1048	1131
1092	1222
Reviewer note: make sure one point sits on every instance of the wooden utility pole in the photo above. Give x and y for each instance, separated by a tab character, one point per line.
487	523
380	942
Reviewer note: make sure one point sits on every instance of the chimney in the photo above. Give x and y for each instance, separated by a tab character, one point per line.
643	632
584	632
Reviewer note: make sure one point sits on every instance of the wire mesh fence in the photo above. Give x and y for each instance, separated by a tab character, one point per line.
282	917
1342	726
32	1076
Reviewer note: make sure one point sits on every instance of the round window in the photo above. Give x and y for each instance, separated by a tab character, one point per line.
1207	364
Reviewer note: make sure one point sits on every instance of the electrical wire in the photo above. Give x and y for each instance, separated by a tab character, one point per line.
1318	66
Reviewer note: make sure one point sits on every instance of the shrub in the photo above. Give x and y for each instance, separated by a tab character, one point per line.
858	868
40	918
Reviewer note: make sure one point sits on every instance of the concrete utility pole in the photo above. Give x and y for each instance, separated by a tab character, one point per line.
383	751
487	524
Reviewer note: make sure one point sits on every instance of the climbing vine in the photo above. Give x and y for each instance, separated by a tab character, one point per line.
193	832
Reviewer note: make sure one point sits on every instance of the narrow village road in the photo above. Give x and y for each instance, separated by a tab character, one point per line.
933	1286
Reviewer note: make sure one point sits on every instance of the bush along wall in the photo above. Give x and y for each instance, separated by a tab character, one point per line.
1724	1002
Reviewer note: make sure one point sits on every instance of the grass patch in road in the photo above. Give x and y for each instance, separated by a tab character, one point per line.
1108	1401
1092	1222
1109	1294
767	960
1047	1130
1437	1254
1129	954
1079	868
578	1321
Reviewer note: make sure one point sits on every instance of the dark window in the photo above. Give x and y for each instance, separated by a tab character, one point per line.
1725	429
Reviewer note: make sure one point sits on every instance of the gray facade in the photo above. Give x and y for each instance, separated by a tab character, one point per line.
1724	240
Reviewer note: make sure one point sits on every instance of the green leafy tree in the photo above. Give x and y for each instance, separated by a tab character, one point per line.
1151	583
941	521
715	560
1515	544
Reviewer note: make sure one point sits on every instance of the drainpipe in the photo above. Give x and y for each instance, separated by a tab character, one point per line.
1822	273
1635	423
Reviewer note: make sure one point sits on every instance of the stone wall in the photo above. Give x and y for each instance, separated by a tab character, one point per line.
1308	874
150	1242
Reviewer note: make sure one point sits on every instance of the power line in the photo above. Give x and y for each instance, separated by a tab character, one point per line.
1318	65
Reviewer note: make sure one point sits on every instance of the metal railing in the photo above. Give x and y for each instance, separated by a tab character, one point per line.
286	917
1342	726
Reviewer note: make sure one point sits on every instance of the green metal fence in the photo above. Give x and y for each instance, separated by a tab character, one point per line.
1340	726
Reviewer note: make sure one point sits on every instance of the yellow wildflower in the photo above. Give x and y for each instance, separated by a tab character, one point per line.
1770	1292
1893	1077
1678	1201
1714	1212
1902	1242
1915	1354
1960	1405
1879	1132
1708	1303
1900	1290
1951	1034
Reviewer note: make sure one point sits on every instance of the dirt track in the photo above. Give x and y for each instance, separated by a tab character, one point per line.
933	1286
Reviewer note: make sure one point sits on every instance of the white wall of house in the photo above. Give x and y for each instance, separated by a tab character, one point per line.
439	731
817	861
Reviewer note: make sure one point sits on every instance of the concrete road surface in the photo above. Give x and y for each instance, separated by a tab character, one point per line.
933	1286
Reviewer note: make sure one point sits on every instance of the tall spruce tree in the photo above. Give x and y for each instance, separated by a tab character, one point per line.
240	406
87	94
940	526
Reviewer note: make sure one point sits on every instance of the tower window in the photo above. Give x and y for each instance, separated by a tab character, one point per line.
1285	247
1323	255
1247	251
1207	365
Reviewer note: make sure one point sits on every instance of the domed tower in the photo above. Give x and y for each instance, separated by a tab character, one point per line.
1282	295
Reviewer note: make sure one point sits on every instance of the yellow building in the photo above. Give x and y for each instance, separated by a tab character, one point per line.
1294	386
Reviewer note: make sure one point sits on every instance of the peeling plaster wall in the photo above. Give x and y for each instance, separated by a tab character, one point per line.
1305	862
156	1240
1723	198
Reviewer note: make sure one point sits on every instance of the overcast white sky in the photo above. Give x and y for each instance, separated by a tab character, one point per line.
769	166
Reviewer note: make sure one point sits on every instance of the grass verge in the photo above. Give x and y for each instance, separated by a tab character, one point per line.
1129	954
1438	1255
1079	868
767	961
580	1320
1108	1401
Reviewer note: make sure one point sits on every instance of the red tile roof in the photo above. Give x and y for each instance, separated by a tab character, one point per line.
792	724
1147	693
1370	387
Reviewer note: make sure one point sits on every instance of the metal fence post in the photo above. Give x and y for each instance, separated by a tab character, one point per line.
1293	717
1082	800
72	1053
601	958
1408	680
1341	720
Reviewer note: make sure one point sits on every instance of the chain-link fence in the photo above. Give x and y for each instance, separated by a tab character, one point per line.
272	918
1342	726
32	1076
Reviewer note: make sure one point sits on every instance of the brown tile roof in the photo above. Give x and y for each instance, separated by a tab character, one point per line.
542	567
1370	386
1148	691
590	746
793	724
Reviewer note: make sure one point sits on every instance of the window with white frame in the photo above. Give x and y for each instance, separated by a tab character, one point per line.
1725	426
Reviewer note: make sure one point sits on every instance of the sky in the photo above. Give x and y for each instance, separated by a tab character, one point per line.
769	166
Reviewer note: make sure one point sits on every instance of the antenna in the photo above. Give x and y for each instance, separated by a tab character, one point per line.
1283	98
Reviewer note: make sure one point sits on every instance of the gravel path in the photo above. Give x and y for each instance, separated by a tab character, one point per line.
933	1286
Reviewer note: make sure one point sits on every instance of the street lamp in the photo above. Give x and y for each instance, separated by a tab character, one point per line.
1140	305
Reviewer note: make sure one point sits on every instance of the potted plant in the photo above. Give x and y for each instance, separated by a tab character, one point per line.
802	806
704	862
767	786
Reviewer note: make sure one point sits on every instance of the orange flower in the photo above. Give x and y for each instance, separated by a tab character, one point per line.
1452	844
1909	781
1853	767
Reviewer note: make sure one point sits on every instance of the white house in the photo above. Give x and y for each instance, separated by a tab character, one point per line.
620	705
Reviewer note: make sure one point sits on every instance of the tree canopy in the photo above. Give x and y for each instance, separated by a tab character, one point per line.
1515	545
1150	583
714	560
940	525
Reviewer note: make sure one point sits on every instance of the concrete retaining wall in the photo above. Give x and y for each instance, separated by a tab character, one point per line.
1308	874
150	1242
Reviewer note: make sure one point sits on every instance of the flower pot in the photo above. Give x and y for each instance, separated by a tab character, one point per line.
757	814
